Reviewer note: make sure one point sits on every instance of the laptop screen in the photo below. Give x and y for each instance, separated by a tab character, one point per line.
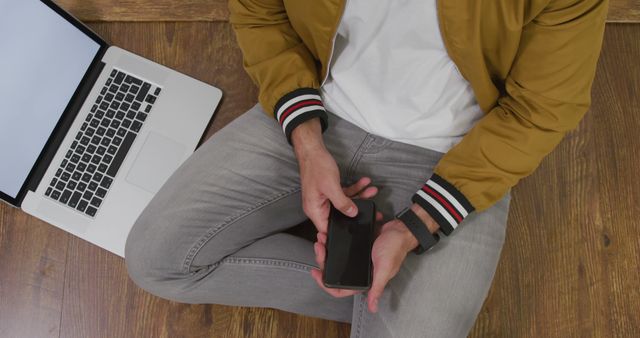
43	60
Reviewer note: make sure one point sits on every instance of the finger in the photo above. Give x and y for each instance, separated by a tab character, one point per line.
341	202
380	279
369	192
355	188
320	254
338	293
322	238
379	216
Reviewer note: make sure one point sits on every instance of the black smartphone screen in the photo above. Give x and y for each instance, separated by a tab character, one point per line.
349	240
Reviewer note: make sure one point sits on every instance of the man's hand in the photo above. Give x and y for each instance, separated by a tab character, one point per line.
319	176
389	251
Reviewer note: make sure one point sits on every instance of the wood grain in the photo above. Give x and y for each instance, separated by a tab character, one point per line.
216	10
32	267
570	267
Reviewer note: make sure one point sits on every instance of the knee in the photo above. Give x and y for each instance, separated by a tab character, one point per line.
152	261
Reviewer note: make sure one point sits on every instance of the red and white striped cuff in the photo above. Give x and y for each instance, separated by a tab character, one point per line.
444	203
298	106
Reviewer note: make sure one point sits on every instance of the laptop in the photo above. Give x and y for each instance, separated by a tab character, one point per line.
88	132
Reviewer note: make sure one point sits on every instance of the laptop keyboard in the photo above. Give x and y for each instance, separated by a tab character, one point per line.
93	160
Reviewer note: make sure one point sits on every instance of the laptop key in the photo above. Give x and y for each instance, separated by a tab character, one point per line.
134	89
53	182
64	198
97	177
126	123
122	153
151	99
60	185
75	158
101	192
87	195
86	157
143	92
120	115
102	168
82	166
117	140
65	176
72	185
111	113
48	192
92	186
111	132
76	176
82	206
55	195
96	159
106	141
75	198
91	211
86	177
141	116
119	78
157	92
148	109
107	159
129	98
114	72
84	126
135	106
122	131
82	187
96	202
101	150
113	89
106	182
136	126
58	172
120	95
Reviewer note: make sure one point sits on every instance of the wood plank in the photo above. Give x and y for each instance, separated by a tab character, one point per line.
32	266
216	10
569	267
100	300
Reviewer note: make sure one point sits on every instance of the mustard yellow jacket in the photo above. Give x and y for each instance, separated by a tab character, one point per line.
531	64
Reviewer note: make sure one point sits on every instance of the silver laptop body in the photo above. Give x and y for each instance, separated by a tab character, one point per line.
128	125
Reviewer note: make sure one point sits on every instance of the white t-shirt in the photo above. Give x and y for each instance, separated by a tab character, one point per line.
392	77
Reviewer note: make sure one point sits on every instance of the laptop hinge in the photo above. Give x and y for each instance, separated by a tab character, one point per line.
61	130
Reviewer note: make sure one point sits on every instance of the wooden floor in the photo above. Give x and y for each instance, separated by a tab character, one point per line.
569	267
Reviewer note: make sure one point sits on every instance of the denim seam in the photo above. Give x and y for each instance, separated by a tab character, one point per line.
357	155
231	219
266	261
360	312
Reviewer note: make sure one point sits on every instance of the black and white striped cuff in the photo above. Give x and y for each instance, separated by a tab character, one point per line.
443	202
298	106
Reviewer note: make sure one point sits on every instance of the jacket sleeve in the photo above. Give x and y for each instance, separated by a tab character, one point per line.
548	90
278	62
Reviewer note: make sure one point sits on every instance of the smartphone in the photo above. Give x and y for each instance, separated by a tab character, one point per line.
348	249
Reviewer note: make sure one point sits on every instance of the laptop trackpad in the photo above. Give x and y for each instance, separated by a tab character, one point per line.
158	159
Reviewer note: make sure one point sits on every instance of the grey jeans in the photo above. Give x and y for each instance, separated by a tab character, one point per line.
214	234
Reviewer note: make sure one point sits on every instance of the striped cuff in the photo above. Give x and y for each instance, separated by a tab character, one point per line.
443	202
298	106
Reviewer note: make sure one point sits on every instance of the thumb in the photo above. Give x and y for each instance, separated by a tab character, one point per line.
341	202
380	279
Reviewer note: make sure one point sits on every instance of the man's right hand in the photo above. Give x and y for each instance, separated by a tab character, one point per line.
320	177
